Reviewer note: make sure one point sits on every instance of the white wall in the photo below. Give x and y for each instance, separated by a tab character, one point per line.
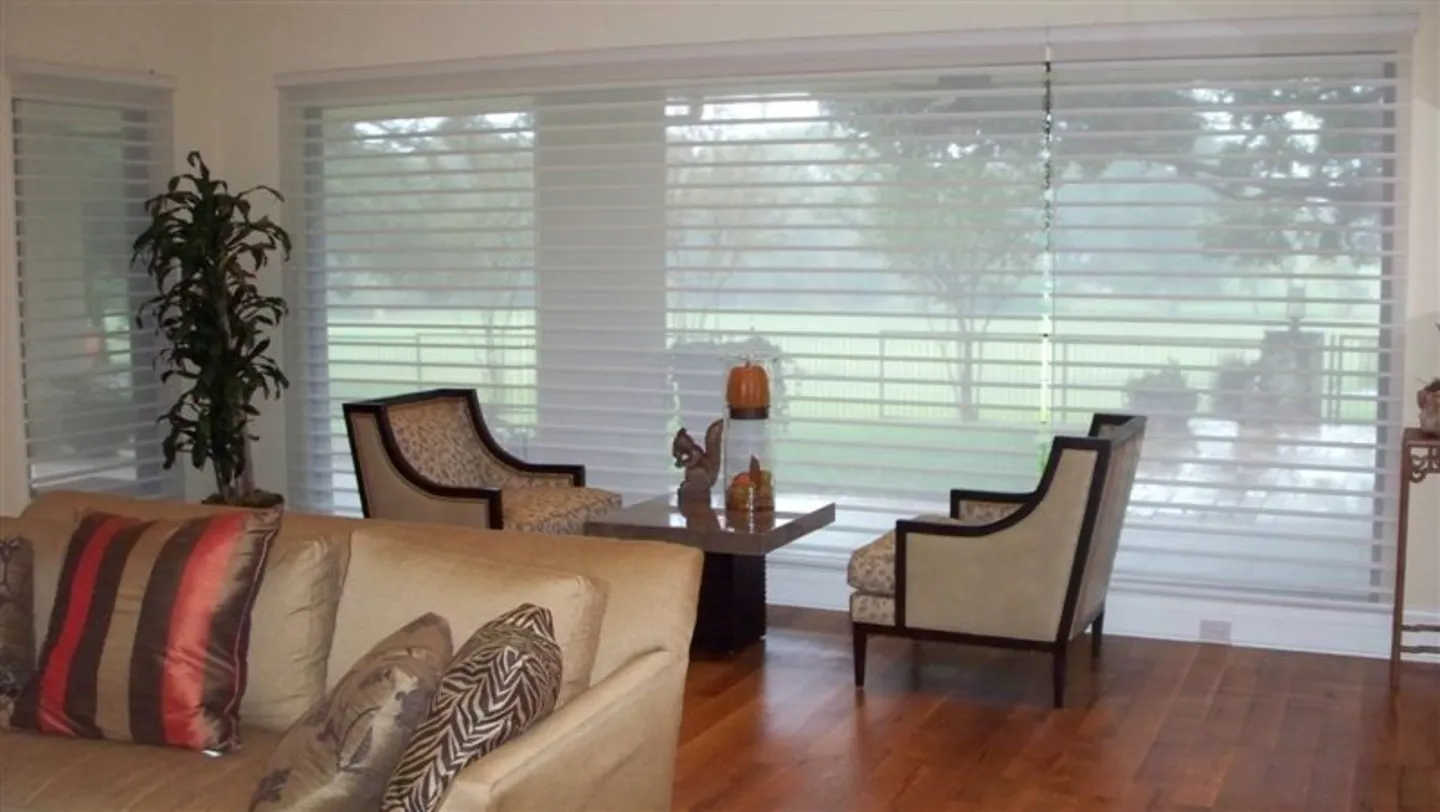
1424	303
226	55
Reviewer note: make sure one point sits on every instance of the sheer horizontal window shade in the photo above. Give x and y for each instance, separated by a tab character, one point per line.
950	265
1226	263
87	155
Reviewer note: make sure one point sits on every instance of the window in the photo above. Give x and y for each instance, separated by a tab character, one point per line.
593	265
947	263
87	155
1226	263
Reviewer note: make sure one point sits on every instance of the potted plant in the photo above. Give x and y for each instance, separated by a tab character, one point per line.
1165	396
203	249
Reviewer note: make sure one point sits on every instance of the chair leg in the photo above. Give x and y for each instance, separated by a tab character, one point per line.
859	639
1097	636
1060	666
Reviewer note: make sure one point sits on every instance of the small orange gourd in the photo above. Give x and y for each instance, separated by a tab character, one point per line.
748	387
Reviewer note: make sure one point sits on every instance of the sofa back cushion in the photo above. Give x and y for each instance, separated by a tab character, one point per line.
293	618
149	633
292	625
394	577
636	576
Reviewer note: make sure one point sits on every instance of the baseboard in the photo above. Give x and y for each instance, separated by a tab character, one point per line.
810	580
815	579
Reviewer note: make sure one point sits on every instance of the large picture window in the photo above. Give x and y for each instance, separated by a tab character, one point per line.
87	155
946	266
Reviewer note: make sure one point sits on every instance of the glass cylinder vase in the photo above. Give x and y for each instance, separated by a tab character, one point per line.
748	462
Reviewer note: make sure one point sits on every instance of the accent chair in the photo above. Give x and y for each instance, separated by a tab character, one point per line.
1012	570
429	457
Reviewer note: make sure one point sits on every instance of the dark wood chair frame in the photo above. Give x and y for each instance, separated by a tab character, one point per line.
379	407
1059	647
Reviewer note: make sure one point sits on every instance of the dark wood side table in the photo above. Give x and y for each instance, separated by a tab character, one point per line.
731	610
1419	458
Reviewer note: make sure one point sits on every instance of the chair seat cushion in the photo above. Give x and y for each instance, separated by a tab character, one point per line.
872	567
561	511
878	610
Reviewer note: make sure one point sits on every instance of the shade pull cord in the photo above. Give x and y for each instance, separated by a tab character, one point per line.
1047	268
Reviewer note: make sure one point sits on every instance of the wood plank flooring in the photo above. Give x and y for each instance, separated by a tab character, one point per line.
1157	726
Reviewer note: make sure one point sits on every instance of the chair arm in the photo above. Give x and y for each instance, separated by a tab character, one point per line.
1007	578
983	507
411	501
1009	583
391	488
611	748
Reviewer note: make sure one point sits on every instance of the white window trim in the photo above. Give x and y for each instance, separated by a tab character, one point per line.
14	462
616	67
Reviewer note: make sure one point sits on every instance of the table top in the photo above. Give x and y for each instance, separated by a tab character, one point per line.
710	527
1417	436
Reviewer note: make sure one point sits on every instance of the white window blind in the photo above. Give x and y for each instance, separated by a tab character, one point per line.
1227	263
594	262
950	263
87	155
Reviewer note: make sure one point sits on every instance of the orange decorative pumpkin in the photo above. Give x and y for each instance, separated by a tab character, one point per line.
748	387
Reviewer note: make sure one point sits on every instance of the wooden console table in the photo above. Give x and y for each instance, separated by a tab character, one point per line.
1419	457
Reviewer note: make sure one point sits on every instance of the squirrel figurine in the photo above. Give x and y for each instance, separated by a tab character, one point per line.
701	463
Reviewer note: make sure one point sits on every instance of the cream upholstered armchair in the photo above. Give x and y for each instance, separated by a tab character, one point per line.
429	457
1024	570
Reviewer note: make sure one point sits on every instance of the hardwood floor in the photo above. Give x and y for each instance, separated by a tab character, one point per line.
1159	726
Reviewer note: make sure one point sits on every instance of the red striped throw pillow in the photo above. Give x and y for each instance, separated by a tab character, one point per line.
150	631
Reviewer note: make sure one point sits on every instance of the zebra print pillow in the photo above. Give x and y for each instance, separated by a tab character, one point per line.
504	679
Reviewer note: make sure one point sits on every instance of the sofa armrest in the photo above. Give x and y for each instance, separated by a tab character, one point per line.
610	748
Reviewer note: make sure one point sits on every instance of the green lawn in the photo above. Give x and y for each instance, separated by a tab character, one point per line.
887	372
896	386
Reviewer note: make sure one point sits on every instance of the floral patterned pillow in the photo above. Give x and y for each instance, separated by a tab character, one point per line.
17	631
339	755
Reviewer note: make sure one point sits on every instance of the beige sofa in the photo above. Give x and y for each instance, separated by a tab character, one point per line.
624	612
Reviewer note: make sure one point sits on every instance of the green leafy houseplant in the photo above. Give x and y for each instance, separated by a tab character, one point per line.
203	249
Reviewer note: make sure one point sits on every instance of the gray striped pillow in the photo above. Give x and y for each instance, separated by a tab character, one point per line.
504	679
17	638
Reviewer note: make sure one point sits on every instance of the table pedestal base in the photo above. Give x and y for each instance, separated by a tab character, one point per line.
731	612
